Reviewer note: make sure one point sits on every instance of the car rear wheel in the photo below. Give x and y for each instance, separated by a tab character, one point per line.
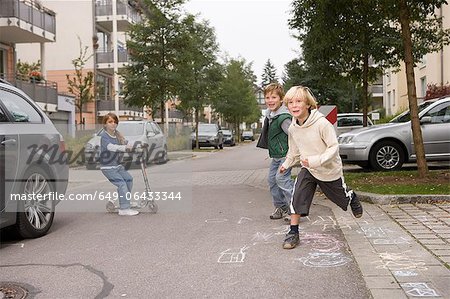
387	155
35	215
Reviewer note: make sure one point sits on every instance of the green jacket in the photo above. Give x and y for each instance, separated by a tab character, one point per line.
277	139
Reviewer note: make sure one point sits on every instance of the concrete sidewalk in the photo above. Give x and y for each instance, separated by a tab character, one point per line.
402	249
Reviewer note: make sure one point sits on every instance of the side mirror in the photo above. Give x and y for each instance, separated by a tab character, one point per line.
425	120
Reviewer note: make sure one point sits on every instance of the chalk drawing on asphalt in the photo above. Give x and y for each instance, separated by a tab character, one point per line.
231	256
283	230
330	223
418	289
321	242
244	219
261	237
216	220
324	259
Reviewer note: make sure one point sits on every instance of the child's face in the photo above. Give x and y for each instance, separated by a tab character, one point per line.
110	125
273	101
298	108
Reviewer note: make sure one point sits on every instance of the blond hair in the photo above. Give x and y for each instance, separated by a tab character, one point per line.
274	88
303	93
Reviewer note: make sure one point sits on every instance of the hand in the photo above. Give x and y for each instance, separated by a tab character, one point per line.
282	169
304	162
129	148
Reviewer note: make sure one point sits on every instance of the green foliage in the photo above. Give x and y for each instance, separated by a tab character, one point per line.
81	85
237	100
155	47
269	74
338	91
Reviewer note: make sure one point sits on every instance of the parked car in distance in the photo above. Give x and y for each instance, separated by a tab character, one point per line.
32	165
228	138
209	135
248	135
350	121
388	146
146	133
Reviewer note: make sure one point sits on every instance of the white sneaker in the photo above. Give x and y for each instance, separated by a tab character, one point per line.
128	212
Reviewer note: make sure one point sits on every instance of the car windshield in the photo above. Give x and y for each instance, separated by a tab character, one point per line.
406	116
130	129
207	128
226	132
249	133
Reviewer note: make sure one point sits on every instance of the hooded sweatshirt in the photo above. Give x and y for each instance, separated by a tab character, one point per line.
316	141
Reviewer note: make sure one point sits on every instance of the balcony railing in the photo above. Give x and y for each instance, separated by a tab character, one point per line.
123	8
29	11
376	89
108	57
104	105
40	91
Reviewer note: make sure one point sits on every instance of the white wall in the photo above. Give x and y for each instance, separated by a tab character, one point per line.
73	18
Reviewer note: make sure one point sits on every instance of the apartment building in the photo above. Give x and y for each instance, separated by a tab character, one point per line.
101	26
433	69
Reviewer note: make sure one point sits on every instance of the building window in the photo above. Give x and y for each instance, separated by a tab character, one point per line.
2	62
423	87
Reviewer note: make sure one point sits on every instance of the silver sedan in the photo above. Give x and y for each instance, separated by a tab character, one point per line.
388	146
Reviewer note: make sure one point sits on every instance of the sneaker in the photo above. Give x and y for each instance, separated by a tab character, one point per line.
291	240
356	206
279	213
128	212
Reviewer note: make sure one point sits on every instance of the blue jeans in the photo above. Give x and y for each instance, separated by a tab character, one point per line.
123	181
281	185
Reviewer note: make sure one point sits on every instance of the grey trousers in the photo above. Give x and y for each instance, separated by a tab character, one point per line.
305	187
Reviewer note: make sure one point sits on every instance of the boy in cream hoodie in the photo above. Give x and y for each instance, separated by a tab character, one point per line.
313	142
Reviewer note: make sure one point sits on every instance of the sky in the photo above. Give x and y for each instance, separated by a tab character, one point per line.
253	29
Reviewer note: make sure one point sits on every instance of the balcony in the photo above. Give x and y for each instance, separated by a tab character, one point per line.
44	93
106	106
105	61
126	15
376	90
26	22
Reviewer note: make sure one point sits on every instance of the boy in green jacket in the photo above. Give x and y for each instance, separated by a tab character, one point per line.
274	138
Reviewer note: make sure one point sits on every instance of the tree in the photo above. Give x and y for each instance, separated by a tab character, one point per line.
237	100
342	36
339	38
269	74
199	72
154	46
82	83
336	90
420	32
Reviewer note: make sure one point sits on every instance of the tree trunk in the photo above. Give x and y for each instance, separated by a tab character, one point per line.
196	128
404	19
365	88
163	110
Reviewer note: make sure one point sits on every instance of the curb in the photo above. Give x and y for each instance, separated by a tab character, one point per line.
382	199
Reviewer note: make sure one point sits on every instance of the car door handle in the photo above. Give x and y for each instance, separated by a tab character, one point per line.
9	142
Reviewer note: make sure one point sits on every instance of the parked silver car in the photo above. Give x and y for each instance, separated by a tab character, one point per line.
146	133
350	121
388	146
208	135
33	170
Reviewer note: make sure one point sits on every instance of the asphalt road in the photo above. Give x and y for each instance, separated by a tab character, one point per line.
217	241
